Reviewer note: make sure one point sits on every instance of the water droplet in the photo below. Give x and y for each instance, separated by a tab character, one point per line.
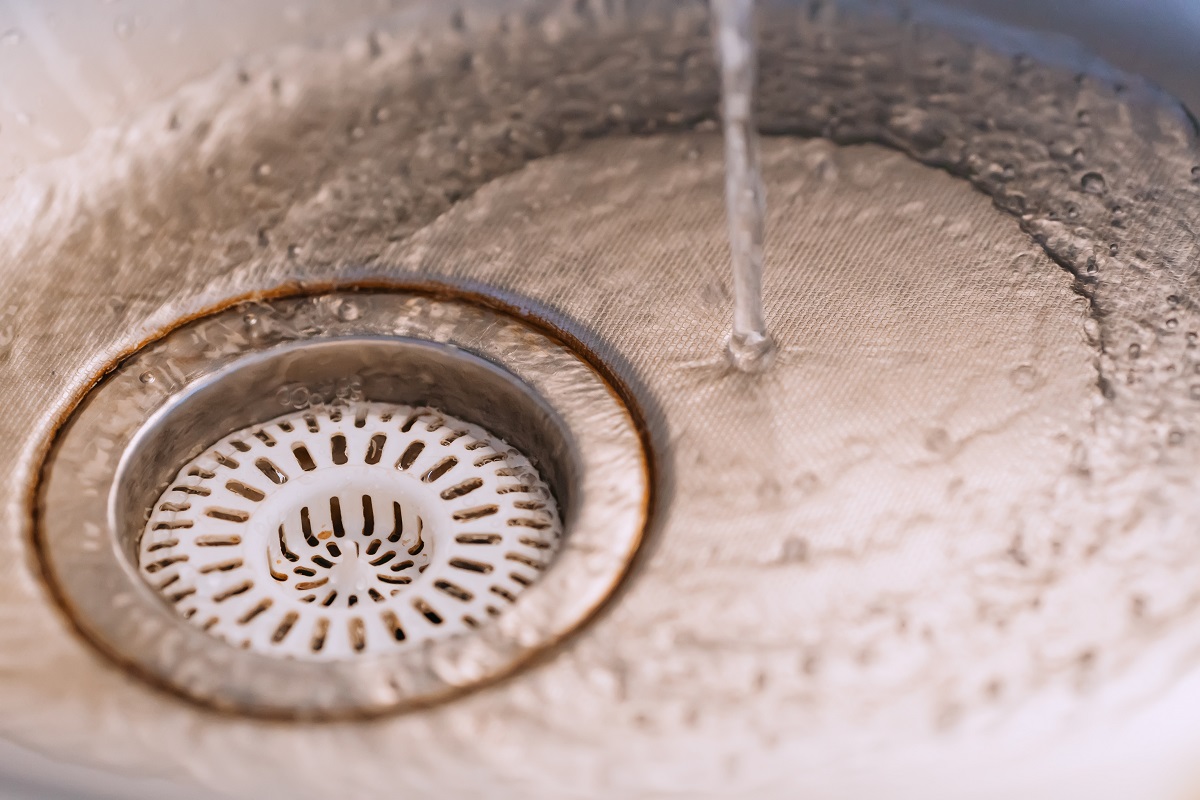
1172	324
250	318
348	311
1093	183
1175	438
1192	338
1135	350
1083	117
794	550
12	37
293	250
807	483
262	169
827	169
1113	249
1024	377
381	114
937	440
357	132
147	378
1173	299
123	27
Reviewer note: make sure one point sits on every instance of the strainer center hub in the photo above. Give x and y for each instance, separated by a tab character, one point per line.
365	536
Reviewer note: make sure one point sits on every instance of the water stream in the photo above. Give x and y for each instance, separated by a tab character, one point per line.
751	348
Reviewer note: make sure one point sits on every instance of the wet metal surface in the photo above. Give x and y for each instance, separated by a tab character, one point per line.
951	529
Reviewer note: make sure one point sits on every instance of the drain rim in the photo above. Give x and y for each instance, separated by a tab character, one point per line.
605	523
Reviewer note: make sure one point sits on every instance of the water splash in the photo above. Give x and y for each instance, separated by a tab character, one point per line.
751	348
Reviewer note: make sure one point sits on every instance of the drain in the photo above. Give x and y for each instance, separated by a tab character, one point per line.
334	533
339	504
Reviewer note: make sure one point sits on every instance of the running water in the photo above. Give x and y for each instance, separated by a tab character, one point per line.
751	348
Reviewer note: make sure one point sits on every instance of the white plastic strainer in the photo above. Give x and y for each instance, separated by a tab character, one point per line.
327	534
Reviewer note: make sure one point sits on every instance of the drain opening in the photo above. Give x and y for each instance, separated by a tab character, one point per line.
328	534
400	503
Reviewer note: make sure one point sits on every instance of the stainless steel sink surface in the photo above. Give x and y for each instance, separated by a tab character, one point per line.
369	431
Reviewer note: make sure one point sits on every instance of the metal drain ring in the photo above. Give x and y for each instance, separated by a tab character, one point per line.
230	374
